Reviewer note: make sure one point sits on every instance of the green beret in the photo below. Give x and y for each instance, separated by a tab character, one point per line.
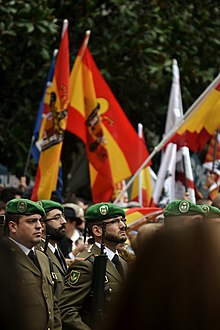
182	207
24	206
49	205
210	211
103	211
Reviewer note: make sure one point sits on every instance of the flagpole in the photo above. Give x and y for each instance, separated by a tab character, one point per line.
170	134
184	173
140	197
77	64
33	136
29	156
215	150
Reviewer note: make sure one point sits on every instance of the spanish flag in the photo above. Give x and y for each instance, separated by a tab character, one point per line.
53	124
201	120
95	116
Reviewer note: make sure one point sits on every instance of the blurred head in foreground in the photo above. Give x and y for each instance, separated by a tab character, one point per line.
174	284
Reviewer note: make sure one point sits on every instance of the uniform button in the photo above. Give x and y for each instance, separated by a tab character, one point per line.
49	313
43	280
110	290
46	296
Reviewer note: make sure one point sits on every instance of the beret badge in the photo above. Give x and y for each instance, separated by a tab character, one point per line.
184	206
205	208
103	209
22	206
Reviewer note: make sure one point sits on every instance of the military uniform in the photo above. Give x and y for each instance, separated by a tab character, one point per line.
74	303
41	309
57	270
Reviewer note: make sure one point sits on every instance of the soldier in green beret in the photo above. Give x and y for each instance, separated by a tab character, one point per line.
75	303
182	212
23	220
52	232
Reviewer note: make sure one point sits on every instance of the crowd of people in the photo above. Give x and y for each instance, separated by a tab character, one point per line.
74	265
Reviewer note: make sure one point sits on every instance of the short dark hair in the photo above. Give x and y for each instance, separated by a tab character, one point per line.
11	217
9	193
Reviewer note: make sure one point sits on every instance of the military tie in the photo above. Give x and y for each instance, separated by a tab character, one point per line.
116	261
33	258
61	260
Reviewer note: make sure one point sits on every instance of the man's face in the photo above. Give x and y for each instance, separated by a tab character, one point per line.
116	230
55	225
27	231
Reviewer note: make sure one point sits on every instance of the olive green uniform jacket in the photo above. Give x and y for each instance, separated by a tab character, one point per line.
73	307
57	269
41	308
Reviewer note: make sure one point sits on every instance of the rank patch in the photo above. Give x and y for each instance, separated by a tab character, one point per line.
73	277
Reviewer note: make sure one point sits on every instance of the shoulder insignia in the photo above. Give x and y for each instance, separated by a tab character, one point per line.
73	277
91	259
184	206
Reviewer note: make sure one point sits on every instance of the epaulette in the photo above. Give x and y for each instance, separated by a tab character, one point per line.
80	259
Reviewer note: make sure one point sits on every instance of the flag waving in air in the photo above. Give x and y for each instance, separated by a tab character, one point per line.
175	172
201	120
53	124
97	118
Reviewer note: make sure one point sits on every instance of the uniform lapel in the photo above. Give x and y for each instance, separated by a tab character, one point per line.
23	259
52	257
110	267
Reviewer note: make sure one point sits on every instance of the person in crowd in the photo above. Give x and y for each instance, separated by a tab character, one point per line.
174	284
216	201
23	220
53	231
212	183
146	233
105	222
9	193
182	212
203	201
2	208
11	292
70	245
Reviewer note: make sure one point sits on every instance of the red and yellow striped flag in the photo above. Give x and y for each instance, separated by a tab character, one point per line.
202	122
96	117
53	124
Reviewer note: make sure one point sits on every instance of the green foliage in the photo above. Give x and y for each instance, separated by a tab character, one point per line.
28	33
133	43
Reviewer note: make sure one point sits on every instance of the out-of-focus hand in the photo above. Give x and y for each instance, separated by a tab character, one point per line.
80	248
186	196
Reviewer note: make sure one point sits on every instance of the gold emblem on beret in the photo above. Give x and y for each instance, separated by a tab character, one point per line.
184	206
39	202
103	209
22	206
205	208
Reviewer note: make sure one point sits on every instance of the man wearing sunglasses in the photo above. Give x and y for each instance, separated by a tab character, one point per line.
53	230
106	223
